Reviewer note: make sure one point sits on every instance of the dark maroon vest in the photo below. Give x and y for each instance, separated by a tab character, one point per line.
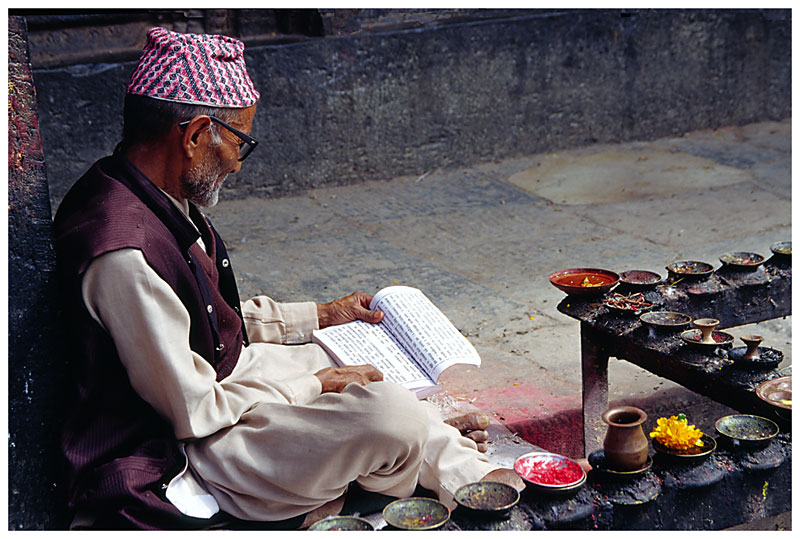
119	451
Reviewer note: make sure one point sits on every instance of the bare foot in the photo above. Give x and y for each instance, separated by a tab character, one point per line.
507	476
473	426
328	509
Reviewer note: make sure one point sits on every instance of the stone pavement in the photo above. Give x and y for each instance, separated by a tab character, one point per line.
481	241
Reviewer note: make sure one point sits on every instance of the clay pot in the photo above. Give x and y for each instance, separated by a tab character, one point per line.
752	342
706	326
625	445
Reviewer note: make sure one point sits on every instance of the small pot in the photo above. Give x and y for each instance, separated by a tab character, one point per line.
625	445
706	327
752	342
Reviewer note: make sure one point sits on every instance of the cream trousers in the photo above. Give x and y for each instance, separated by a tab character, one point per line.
283	460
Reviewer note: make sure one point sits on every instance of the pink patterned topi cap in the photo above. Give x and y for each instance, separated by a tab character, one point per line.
197	69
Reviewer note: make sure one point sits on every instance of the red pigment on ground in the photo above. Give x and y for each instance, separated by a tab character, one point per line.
552	422
524	402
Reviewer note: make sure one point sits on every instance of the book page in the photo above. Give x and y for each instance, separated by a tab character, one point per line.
423	330
362	343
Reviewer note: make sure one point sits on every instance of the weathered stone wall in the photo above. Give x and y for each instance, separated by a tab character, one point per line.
377	104
36	369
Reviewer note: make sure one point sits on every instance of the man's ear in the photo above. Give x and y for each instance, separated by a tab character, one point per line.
191	140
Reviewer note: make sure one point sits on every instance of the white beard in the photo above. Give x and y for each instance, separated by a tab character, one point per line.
202	182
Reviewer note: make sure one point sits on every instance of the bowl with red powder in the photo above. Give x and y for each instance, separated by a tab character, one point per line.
549	471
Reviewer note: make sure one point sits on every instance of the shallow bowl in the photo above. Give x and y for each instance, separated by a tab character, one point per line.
597	460
742	260
549	471
690	269
639	278
768	357
694	336
416	514
747	430
695	453
342	523
666	319
783	248
777	392
572	281
487	498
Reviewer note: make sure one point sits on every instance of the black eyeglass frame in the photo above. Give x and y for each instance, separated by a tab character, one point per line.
248	143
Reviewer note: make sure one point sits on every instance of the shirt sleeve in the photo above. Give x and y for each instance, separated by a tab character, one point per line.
268	321
150	329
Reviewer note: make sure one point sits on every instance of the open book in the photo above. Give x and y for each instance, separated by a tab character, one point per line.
411	346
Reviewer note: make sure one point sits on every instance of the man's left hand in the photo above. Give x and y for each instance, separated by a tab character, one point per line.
353	307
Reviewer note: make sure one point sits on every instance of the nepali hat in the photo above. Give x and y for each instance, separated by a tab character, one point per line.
197	69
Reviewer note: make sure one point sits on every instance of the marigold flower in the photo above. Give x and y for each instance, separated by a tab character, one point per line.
676	433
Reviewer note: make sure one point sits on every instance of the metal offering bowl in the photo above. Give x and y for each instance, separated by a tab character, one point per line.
783	248
416	514
666	319
534	468
695	336
747	430
597	460
342	523
695	453
690	269
777	392
487	498
584	281
742	260
768	358
639	278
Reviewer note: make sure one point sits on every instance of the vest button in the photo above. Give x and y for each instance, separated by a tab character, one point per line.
220	347
210	309
225	263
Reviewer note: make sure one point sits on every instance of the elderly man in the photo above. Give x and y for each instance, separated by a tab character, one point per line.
195	410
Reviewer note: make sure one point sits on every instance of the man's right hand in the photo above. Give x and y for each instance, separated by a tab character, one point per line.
334	379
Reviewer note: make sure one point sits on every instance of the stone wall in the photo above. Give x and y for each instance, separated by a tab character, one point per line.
390	93
36	369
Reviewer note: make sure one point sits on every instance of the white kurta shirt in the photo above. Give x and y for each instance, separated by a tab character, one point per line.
273	386
151	335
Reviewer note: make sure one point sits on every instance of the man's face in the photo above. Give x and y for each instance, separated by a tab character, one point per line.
202	182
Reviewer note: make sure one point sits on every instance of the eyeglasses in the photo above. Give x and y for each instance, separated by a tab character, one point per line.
248	143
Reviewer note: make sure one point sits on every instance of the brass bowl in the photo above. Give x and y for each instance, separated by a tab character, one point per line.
694	336
666	319
342	523
524	466
783	248
685	455
639	278
597	460
777	392
747	430
416	514
742	260
487	498
690	269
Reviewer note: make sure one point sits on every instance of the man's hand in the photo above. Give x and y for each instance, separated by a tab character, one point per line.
334	379
353	307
